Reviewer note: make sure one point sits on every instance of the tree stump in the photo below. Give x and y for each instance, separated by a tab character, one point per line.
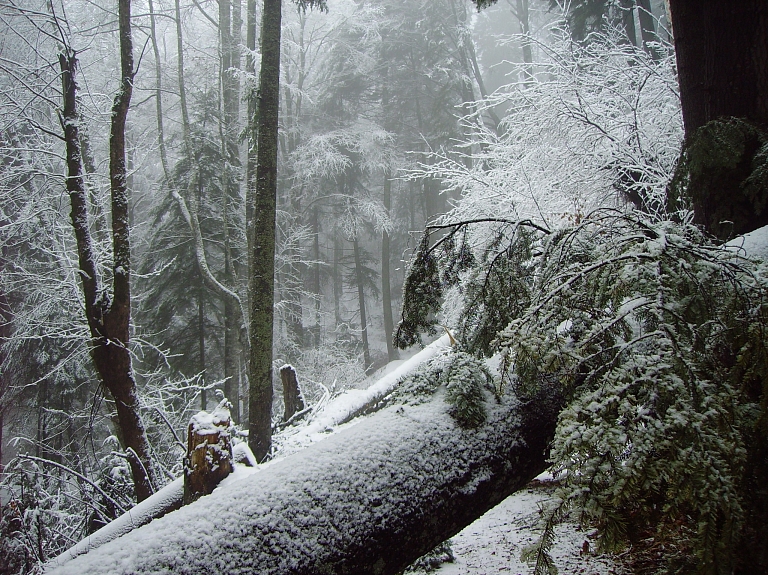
209	452
292	397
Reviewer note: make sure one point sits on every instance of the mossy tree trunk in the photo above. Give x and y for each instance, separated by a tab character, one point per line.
722	61
262	260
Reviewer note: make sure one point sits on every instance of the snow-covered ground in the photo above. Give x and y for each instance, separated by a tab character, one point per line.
493	543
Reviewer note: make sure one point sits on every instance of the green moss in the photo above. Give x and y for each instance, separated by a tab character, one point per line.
723	173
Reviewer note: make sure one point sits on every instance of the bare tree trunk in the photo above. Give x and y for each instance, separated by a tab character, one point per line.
647	28
628	20
722	60
292	398
158	94
386	290
201	344
361	303
525	29
109	320
338	284
229	22
316	286
262	273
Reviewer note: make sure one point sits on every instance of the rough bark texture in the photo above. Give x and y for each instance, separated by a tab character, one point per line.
209	454
262	261
648	28
109	320
292	397
722	60
368	500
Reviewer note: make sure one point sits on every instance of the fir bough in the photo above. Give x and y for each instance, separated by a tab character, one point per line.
467	382
658	340
422	291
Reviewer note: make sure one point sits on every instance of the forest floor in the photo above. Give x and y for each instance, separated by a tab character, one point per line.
493	544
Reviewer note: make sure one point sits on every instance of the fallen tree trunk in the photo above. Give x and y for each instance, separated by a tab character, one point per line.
370	499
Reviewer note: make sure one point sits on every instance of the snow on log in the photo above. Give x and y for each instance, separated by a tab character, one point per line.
168	499
369	499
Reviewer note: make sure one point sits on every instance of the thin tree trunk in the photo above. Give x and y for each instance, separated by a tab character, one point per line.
648	28
386	292
109	321
628	20
262	273
201	345
316	287
338	284
158	94
361	303
182	84
525	29
230	107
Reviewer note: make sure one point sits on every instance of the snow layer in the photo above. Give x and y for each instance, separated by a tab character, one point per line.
364	494
169	496
493	543
754	244
350	403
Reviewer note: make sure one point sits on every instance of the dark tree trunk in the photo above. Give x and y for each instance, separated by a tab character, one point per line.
262	272
648	28
386	289
361	303
109	321
722	61
362	502
628	20
292	398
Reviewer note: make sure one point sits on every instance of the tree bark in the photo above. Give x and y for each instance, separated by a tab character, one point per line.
722	61
361	303
628	20
648	28
369	500
109	320
209	452
292	397
262	272
386	289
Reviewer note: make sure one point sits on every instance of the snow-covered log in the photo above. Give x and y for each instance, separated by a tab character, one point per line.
369	499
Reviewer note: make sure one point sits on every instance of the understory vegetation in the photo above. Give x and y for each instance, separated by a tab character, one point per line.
559	251
653	331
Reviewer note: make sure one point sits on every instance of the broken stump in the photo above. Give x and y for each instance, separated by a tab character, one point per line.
294	401
209	452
